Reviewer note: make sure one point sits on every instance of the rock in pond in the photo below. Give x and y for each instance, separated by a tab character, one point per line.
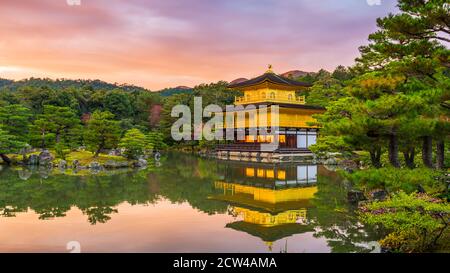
141	163
355	196
95	165
62	164
45	158
44	172
33	160
330	161
25	174
115	152
378	195
75	164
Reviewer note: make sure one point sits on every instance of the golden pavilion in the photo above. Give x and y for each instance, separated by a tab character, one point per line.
294	130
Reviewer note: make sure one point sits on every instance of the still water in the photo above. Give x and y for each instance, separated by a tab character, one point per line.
183	204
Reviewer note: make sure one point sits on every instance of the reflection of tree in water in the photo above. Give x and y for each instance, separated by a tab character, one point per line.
95	196
334	220
9	211
190	179
99	214
180	179
49	213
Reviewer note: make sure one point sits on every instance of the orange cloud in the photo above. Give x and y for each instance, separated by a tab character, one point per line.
157	44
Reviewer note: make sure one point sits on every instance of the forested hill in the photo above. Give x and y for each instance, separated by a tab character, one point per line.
166	92
66	83
5	82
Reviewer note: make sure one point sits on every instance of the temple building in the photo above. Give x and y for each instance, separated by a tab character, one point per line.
293	132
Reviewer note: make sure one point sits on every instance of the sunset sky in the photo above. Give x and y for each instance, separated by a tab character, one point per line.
157	44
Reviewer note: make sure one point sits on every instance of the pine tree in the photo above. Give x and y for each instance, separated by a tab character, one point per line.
102	132
409	45
9	144
134	142
15	119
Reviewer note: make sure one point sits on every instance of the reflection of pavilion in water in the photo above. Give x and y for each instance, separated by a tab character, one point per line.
271	199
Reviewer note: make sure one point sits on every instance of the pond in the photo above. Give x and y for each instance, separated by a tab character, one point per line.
182	204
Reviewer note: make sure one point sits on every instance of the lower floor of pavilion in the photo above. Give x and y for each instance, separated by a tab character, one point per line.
289	139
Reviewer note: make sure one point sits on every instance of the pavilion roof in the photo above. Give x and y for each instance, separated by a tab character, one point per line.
270	234
269	77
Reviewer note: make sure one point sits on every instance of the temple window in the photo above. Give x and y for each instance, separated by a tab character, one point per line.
249	138
250	172
272	95
261	139
281	174
290	97
260	173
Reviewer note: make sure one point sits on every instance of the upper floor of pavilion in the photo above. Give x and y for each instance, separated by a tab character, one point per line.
270	88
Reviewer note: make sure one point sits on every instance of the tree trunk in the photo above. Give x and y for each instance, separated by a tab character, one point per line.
5	159
375	155
43	140
58	136
97	152
427	151
409	155
100	148
440	151
393	151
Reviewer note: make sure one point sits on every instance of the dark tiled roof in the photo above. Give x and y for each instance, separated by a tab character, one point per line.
270	77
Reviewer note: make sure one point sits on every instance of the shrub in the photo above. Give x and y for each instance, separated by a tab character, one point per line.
393	179
416	221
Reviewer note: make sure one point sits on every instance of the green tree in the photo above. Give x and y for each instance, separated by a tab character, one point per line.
342	73
155	140
409	44
63	121
416	221
9	144
324	91
15	119
118	102
348	127
102	132
62	150
42	133
399	86
135	143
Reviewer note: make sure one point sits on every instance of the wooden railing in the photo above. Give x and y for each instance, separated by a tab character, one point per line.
256	147
240	147
269	98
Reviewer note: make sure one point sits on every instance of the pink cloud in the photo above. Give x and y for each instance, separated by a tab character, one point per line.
167	43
